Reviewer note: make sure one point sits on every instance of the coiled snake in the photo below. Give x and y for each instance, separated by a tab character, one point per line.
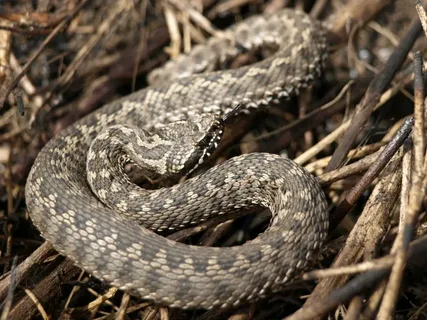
99	231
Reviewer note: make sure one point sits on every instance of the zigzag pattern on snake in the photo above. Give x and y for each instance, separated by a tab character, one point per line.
87	210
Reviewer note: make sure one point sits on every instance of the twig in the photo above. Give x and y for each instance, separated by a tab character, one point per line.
356	153
353	287
31	19
90	44
164	314
5	44
374	301
123	307
175	46
23	268
422	14
8	301
380	263
196	16
44	290
227	6
416	196
36	54
365	236
333	136
419	111
354	308
355	11
349	170
34	299
372	172
373	94
318	7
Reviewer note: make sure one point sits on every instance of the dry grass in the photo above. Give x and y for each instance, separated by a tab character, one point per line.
360	130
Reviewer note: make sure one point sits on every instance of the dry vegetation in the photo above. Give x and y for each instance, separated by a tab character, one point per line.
360	130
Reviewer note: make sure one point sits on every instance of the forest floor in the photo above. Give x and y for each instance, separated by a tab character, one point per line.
359	129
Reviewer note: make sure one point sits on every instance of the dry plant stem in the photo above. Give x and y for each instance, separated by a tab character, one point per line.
373	94
333	136
211	236
419	111
380	263
94	305
356	11
318	7
349	170
416	196
422	14
37	303
24	31
354	309
356	153
123	68
274	5
90	44
73	291
45	290
123	307
304	101
372	172
357	285
142	42
298	127
226	6
7	303
97	93
374	302
367	232
5	42
189	32
174	33
185	233
9	228
28	88
196	16
318	112
36	54
137	307
31	19
404	194
37	257
395	128
164	314
240	316
342	295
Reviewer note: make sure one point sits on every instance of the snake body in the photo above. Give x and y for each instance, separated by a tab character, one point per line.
99	232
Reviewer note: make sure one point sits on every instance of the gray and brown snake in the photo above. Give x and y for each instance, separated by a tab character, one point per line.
85	206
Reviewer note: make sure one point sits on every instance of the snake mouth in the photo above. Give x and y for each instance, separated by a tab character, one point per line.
207	146
211	146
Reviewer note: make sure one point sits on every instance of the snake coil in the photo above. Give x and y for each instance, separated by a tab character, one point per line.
99	232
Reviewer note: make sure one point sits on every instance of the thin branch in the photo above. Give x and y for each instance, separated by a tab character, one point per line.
36	54
373	94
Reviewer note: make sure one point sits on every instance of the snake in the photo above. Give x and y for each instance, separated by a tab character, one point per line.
82	201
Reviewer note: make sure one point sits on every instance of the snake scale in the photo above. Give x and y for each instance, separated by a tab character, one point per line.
94	215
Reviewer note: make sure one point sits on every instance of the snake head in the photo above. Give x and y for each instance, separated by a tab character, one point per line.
196	138
162	156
